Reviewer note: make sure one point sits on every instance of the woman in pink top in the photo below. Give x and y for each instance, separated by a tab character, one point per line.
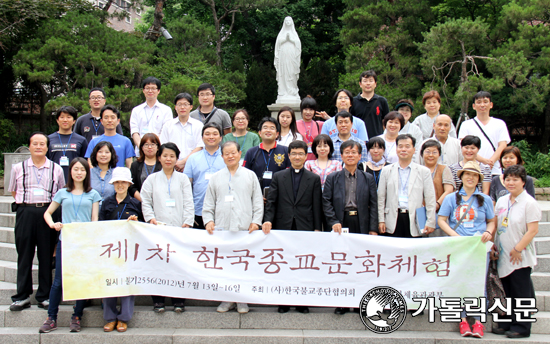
307	127
323	166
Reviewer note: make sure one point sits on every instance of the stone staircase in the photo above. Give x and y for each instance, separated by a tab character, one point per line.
200	323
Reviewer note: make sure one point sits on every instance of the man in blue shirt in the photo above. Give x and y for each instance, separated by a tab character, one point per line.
65	145
110	118
267	158
202	165
344	121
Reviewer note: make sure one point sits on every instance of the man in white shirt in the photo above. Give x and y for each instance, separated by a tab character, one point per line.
207	112
183	130
150	116
492	132
451	152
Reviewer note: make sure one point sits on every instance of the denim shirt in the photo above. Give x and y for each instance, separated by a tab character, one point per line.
101	185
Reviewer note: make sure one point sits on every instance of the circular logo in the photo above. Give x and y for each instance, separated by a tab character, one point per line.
372	309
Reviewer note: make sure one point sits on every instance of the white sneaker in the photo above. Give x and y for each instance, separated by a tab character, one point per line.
225	306
242	308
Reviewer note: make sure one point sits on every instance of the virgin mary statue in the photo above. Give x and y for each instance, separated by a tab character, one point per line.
288	50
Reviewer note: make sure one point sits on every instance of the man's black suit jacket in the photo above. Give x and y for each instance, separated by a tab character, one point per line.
334	198
281	207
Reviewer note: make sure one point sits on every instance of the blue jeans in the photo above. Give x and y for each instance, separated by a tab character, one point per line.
55	292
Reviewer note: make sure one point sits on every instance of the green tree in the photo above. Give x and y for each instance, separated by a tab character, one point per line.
78	51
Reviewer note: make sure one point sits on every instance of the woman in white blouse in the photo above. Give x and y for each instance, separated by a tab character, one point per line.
517	223
393	122
167	199
289	131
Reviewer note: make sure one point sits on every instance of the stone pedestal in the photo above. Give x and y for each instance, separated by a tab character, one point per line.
274	109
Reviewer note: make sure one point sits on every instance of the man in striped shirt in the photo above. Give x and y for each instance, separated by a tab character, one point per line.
33	184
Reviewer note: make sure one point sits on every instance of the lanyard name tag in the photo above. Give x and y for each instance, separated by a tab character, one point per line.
95	136
309	149
145	130
38	192
268	174
504	222
229	198
170	202
241	162
403	199
468	224
64	161
208	175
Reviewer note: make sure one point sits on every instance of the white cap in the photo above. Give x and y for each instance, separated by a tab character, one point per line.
121	174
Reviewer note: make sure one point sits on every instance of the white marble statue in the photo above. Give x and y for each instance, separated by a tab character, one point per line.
288	50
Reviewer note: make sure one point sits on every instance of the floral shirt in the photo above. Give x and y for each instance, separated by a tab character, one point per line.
333	166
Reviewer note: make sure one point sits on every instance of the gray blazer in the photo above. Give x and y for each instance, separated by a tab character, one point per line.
421	190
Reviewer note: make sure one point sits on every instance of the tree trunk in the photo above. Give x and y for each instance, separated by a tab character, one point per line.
154	31
43	102
546	132
464	79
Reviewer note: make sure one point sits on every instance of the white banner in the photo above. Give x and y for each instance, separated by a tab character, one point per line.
120	258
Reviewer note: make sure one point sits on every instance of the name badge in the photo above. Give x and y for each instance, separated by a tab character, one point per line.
64	161
468	224
268	174
38	192
345	230
504	222
145	130
229	198
95	136
171	202
309	149
208	175
403	199
241	162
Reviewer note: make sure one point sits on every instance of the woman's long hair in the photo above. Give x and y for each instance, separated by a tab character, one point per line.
86	184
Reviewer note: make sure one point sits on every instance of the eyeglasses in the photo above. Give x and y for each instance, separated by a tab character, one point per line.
150	89
240	119
431	153
184	105
205	95
343	98
97	98
294	154
150	145
351	153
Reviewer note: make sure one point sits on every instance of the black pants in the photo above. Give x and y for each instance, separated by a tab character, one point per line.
518	284
199	224
160	299
32	232
403	226
351	222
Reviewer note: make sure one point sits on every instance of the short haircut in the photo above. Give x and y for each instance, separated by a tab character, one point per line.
114	157
376	141
185	96
231	143
428	144
298	144
243	111
352	144
404	102
322	138
147	137
514	150
40	133
368	74
206	86
171	146
481	95
405	137
343	114
68	110
308	103
86	182
271	120
151	80
471	140
109	107
97	89
212	125
394	115
431	94
348	93
516	171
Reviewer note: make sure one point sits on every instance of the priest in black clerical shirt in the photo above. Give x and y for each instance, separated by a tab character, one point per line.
294	201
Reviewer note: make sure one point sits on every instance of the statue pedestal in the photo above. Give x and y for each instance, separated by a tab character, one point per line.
274	109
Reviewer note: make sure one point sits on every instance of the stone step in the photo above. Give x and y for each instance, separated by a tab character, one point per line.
541	281
257	318
26	335
542	245
9	253
7	235
8	271
543	300
543	263
5	204
7	220
544	229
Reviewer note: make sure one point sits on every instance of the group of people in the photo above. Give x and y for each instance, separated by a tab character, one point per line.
367	170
